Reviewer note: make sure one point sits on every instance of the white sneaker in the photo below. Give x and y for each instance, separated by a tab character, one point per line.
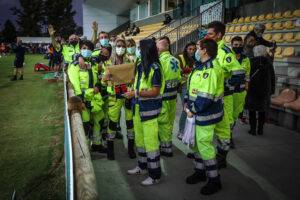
137	170
149	181
180	136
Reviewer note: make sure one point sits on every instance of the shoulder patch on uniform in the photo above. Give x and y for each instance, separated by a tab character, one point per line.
155	66
227	49
205	75
228	59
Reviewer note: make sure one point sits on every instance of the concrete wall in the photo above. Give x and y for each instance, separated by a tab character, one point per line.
107	21
267	6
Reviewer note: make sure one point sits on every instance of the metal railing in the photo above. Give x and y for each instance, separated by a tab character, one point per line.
69	170
189	31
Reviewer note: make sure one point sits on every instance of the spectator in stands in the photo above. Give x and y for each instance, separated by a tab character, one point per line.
249	43
257	33
187	61
135	30
168	19
128	31
261	87
19	50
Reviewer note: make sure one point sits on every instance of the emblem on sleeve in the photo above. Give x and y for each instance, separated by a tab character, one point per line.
228	59
205	75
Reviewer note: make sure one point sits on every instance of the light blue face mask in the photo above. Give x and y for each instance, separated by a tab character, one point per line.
104	42
197	55
86	53
131	50
138	52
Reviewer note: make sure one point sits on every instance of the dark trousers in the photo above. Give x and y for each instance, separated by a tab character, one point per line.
259	122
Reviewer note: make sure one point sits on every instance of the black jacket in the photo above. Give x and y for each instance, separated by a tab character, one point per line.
261	85
259	40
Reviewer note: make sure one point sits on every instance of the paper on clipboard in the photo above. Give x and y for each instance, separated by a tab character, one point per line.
121	74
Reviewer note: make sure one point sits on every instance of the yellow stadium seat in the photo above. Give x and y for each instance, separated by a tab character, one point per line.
278	52
267	36
278	15
250	27
297	37
288	52
278	26
247	19
244	28
269	16
261	17
227	38
289	37
287	14
241	20
277	37
296	13
231	29
226	30
235	21
237	29
289	24
269	26
254	18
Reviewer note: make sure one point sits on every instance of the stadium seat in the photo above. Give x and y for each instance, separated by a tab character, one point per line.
278	15
278	52
226	30
296	13
277	37
289	24
248	19
244	28
278	26
286	96
227	38
250	27
231	29
261	17
269	16
297	37
254	18
294	105
287	14
288	52
269	26
237	29
289	37
241	20
235	21
267	36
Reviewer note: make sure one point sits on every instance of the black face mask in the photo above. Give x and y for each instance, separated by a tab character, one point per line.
237	50
73	42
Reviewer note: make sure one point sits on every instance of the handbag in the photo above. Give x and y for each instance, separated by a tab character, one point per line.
188	137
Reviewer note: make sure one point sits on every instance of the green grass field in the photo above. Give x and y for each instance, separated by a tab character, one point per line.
31	134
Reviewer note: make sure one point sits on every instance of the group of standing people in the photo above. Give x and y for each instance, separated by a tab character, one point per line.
211	77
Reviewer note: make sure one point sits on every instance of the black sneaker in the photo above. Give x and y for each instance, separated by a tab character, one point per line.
98	148
14	78
212	186
190	155
21	77
196	177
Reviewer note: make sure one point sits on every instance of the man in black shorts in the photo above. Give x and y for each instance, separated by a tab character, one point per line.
19	50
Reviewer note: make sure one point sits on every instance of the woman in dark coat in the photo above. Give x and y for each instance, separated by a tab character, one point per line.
261	87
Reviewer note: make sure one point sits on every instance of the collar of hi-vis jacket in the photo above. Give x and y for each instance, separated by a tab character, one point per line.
207	64
221	44
165	53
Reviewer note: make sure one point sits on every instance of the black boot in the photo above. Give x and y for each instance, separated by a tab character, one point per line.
131	152
197	177
221	158
14	78
212	186
252	121
98	148
87	129
232	146
190	155
166	154
21	77
261	121
110	150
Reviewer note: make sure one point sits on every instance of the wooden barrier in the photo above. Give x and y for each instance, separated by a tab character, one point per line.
85	180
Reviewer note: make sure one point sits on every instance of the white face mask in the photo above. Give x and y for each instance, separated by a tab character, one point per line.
120	51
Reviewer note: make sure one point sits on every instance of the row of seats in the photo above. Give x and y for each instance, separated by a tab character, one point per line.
278	37
284	52
270	16
290	24
287	98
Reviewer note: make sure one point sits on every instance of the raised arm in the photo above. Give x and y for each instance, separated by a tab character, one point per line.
95	31
51	31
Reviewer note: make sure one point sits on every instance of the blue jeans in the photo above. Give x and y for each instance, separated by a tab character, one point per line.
183	114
